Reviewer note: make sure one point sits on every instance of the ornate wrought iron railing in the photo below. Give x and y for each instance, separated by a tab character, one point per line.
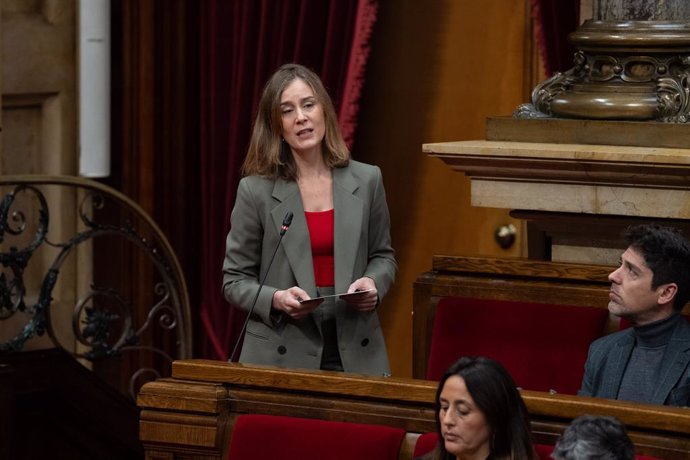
62	239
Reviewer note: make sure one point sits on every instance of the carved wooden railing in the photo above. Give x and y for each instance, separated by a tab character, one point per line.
56	235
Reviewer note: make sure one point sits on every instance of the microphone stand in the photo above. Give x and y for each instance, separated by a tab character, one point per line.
287	220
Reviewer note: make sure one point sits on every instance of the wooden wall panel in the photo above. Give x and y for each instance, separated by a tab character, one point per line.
436	71
38	68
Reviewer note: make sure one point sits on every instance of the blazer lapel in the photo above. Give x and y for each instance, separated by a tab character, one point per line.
620	355
296	240
674	363
349	212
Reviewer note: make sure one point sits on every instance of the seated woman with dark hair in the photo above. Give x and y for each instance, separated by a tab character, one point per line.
481	414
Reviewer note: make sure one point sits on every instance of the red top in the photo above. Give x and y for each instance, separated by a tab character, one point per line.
320	226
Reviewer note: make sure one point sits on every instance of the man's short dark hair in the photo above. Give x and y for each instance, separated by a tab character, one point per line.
594	438
667	254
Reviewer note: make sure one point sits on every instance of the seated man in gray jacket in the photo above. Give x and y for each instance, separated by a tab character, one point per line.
648	362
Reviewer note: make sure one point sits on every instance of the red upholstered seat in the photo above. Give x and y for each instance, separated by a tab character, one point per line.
543	451
543	346
269	437
425	443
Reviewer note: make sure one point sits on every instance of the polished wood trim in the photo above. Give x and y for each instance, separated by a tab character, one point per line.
297	380
179	415
186	396
635	415
522	268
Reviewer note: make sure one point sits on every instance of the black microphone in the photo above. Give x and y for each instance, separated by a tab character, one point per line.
287	220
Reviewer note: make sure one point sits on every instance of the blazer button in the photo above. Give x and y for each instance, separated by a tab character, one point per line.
282	350
365	342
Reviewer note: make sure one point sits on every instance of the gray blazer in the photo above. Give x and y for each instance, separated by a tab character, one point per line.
362	248
608	357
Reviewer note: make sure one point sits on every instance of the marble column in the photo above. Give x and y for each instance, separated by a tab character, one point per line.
640	10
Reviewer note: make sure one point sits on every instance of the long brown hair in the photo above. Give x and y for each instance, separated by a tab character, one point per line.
268	154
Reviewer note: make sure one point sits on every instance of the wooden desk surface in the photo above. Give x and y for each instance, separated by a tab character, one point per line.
194	411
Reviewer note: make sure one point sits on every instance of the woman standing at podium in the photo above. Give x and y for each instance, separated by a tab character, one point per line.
338	241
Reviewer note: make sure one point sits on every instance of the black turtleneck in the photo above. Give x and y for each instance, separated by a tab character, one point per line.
641	374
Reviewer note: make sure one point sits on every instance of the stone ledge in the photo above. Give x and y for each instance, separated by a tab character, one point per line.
572	131
659	168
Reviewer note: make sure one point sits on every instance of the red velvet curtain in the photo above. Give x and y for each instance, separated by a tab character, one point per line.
554	20
243	42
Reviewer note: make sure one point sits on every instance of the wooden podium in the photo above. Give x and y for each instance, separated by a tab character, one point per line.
192	414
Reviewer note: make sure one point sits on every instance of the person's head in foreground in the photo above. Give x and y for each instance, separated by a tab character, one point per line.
594	438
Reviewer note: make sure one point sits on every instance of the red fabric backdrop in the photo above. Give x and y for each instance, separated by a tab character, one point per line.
554	20
243	42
